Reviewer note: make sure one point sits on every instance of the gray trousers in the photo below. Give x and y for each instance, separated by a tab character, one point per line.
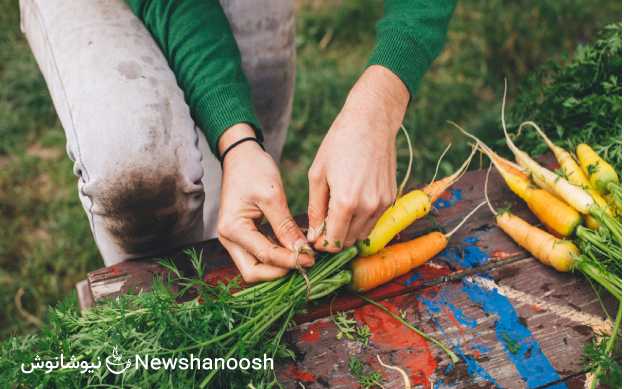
146	177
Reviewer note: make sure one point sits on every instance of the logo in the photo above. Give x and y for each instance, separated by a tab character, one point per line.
115	365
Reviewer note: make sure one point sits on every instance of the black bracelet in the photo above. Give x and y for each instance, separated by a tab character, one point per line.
230	147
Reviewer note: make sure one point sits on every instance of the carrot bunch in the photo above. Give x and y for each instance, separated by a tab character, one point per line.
562	202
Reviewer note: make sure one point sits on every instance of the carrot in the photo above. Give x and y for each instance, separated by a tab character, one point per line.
559	186
600	173
549	250
572	172
407	209
435	188
549	209
398	259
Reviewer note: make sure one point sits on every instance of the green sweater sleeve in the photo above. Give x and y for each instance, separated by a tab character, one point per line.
196	39
410	36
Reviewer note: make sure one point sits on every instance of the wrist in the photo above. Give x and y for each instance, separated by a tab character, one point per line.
237	141
234	134
385	96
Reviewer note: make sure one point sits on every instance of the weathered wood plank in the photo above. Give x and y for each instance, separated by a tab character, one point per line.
484	296
85	298
484	324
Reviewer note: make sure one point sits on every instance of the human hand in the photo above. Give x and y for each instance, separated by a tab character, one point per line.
353	176
252	188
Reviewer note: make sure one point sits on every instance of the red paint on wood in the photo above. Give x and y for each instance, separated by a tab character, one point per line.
223	275
451	317
294	373
501	254
313	332
411	351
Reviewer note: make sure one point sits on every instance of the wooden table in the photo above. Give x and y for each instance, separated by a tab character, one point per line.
513	322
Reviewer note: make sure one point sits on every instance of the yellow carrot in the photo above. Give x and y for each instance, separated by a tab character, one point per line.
549	209
571	170
548	249
407	209
600	173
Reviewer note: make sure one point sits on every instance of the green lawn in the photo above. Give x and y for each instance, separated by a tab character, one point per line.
45	243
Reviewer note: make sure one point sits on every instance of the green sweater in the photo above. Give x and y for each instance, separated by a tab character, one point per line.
195	37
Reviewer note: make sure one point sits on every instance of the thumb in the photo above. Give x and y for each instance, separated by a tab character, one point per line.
287	231
317	206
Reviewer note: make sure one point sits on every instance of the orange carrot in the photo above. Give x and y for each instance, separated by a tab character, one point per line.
548	249
398	259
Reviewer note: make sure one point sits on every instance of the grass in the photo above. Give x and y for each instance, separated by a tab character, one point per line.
45	243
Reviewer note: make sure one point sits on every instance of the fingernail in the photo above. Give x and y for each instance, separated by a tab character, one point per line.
298	245
306	249
307	260
311	234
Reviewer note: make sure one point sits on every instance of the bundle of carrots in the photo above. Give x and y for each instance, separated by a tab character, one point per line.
581	201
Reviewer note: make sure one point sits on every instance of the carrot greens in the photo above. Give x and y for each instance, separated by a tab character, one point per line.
217	323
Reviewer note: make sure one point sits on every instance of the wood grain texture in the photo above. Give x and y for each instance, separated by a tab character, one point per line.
514	322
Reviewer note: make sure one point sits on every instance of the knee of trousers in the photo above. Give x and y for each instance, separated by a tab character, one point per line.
146	208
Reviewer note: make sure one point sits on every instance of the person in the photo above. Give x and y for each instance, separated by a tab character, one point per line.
175	125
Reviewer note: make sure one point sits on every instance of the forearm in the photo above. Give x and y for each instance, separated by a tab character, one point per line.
381	96
410	36
195	37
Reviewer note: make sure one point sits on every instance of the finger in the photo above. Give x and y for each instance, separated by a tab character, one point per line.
357	226
317	205
265	251
369	225
362	227
251	270
286	230
337	225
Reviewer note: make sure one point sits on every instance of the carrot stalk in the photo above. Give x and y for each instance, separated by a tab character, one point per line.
435	173
398	259
409	163
610	345
435	188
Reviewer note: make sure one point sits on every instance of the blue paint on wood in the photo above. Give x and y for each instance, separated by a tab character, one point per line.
435	304
444	201
466	256
474	368
521	348
413	278
483	349
516	339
